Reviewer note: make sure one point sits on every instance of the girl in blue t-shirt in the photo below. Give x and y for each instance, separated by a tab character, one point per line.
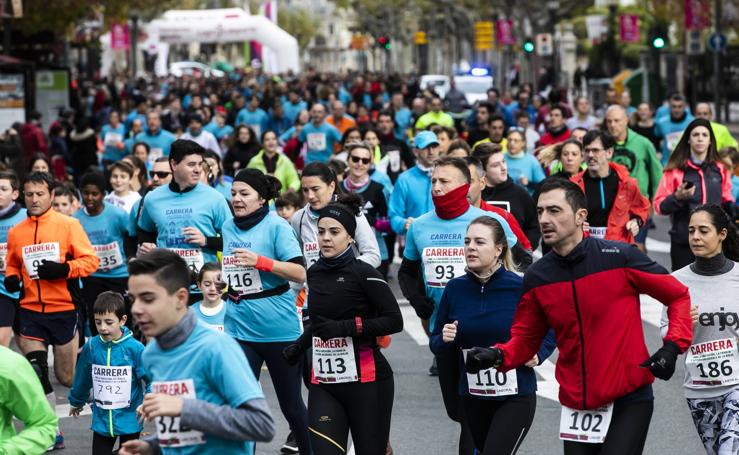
211	310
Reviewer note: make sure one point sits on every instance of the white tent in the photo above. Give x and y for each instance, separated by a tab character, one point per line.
219	26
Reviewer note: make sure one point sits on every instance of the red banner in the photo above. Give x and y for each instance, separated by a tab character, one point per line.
629	28
697	14
505	32
119	37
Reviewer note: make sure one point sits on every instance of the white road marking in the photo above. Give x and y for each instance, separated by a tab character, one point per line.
412	324
657	246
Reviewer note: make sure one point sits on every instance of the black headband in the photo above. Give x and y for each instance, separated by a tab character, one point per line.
342	215
255	179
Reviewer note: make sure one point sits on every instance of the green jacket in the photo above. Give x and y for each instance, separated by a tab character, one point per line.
284	171
22	397
723	136
637	154
429	118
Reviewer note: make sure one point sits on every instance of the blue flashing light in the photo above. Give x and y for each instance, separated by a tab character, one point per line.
479	72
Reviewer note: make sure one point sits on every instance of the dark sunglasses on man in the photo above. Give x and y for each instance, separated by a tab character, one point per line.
356	159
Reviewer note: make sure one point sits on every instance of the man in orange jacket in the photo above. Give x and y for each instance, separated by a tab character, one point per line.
616	207
44	251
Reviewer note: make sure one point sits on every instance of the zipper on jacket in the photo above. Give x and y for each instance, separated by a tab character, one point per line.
110	411
582	341
38	281
482	297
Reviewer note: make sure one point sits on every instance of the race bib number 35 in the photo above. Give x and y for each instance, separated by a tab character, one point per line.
243	279
111	386
441	264
170	432
713	363
589	426
334	361
34	255
110	256
491	382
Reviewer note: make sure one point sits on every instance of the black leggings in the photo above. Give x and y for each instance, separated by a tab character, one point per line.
286	380
92	287
103	445
448	364
626	435
499	426
363	408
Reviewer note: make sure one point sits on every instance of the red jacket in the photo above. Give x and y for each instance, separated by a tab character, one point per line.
629	204
33	140
512	222
591	299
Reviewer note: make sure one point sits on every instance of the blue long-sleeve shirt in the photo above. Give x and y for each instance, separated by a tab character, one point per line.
411	197
484	315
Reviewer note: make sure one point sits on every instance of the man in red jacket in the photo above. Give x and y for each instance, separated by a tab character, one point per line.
616	207
32	137
587	290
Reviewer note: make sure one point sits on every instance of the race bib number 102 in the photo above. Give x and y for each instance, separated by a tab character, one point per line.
589	426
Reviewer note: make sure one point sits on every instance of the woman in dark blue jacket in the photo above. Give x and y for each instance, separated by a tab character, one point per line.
477	310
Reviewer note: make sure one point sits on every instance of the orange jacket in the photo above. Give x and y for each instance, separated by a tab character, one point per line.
41	237
629	204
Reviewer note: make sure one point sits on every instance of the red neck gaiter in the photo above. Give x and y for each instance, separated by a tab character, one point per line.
452	204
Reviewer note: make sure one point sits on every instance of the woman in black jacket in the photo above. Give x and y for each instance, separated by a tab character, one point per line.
245	146
350	306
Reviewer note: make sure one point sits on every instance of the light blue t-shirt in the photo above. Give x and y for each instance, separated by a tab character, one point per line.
168	213
439	245
292	110
159	144
111	136
106	232
670	133
212	317
320	140
5	225
403	119
208	366
525	165
257	120
218	131
269	319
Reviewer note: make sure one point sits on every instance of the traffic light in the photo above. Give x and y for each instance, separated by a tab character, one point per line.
528	45
384	42
658	38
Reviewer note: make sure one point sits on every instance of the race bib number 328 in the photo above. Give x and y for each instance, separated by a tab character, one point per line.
441	264
170	431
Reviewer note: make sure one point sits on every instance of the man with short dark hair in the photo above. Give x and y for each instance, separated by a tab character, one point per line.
670	127
496	133
557	130
604	369
435	115
159	140
196	133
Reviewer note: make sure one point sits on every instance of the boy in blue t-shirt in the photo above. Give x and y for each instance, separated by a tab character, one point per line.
211	310
11	213
110	365
205	398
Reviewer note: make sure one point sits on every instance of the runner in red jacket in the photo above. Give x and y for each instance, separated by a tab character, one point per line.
587	290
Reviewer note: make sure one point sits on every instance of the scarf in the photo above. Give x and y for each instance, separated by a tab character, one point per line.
249	221
452	204
426	170
354	187
338	261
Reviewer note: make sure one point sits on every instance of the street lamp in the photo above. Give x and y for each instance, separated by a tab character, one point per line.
553	7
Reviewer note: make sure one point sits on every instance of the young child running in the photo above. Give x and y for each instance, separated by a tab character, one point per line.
121	174
211	310
110	365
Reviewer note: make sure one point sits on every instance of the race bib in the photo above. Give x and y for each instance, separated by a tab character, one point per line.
154	154
243	279
111	386
110	256
193	258
672	140
491	382
316	141
170	432
598	232
713	363
505	205
3	256
33	255
311	252
441	264
112	139
589	426
334	361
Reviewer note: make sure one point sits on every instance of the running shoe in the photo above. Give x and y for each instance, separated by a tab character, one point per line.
434	370
58	443
290	445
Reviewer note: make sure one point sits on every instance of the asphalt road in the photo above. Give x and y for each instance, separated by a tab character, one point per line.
419	423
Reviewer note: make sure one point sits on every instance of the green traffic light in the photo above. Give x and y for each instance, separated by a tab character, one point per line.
387	46
658	43
528	46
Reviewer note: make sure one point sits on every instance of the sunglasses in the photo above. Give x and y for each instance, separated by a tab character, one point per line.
161	175
356	159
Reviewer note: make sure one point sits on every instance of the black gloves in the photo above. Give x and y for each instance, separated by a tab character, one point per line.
326	329
50	270
483	358
424	306
662	363
292	354
12	283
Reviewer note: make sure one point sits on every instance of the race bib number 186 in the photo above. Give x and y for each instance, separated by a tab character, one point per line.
713	363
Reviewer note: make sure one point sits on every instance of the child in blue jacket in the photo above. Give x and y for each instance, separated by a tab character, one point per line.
110	365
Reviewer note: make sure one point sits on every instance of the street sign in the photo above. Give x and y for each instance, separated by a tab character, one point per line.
629	28
544	45
420	38
484	35
694	45
505	32
717	42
